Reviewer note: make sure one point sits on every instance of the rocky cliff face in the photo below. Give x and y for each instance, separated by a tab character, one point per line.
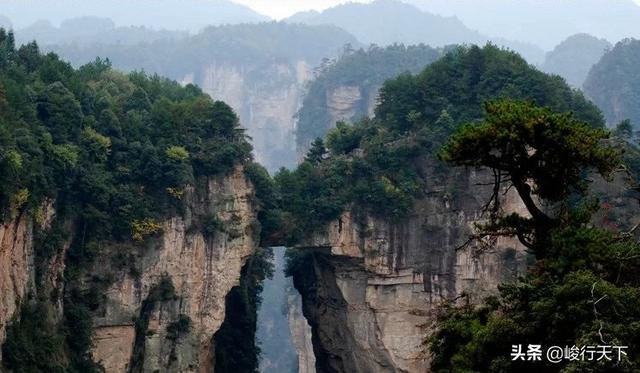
17	277
371	286
344	103
165	304
202	270
300	333
16	261
266	98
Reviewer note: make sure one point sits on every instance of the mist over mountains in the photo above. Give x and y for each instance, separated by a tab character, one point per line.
189	15
574	57
526	26
542	22
434	186
404	23
401	23
262	67
5	22
90	30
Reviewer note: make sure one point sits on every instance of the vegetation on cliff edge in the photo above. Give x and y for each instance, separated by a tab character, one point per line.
115	153
583	290
374	165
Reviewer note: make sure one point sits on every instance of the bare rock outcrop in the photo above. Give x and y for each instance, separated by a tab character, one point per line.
202	270
16	267
371	289
266	98
300	333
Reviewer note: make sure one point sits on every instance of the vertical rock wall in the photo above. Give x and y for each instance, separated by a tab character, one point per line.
202	270
300	333
344	103
370	296
266	98
16	267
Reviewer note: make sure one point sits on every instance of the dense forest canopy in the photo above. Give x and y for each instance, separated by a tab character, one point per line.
115	153
573	58
464	79
582	289
364	69
372	164
60	123
614	83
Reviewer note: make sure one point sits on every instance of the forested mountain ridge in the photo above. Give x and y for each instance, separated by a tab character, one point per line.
86	31
543	22
258	69
573	58
358	19
261	43
374	203
451	202
614	83
347	89
418	112
406	24
127	214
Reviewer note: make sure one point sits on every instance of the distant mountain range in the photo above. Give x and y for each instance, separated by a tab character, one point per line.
190	15
542	22
384	22
89	30
527	26
573	58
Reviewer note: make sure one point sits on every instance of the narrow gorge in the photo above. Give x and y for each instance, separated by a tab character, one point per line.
392	210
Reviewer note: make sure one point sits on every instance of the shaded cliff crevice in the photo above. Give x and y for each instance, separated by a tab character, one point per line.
373	283
234	345
163	291
336	346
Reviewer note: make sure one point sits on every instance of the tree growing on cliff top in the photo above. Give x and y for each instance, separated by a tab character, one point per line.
584	289
540	153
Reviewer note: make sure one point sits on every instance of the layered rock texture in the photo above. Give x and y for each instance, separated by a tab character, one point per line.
202	270
371	286
266	97
345	103
165	304
16	263
300	332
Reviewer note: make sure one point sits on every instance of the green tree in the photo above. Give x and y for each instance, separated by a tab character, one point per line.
316	152
582	289
540	153
60	112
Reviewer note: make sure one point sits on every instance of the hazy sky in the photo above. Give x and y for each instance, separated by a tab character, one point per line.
279	9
